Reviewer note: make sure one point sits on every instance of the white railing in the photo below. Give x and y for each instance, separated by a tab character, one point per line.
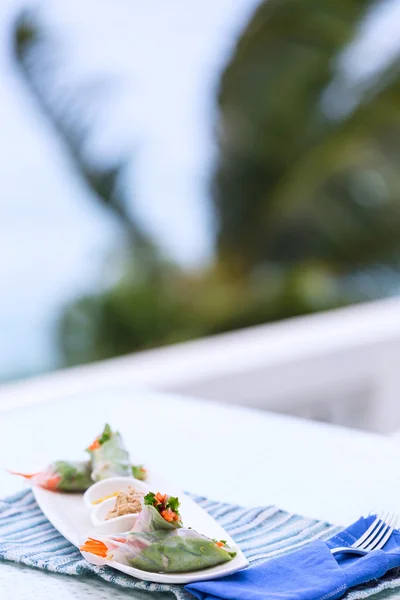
342	366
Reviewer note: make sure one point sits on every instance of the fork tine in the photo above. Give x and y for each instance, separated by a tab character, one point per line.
383	537
375	537
370	530
389	533
379	530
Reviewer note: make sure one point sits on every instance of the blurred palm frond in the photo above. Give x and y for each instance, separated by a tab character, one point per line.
308	157
306	187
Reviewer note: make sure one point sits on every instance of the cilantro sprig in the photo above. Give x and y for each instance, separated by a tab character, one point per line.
173	503
106	435
150	499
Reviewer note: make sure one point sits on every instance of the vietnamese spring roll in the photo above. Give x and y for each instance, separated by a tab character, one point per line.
158	543
159	511
179	550
62	476
109	456
139	472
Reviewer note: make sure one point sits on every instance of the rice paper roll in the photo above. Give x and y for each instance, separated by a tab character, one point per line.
109	456
158	543
63	476
139	472
159	512
179	550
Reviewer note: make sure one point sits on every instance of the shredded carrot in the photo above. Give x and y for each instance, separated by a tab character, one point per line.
95	547
26	475
160	498
169	515
220	544
94	445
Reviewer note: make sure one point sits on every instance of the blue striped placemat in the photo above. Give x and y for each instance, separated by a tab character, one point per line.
27	537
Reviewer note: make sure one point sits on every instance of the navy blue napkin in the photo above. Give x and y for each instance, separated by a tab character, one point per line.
311	573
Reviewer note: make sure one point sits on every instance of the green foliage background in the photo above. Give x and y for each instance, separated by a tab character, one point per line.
305	189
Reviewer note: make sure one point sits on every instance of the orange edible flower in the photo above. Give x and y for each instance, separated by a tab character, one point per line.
95	547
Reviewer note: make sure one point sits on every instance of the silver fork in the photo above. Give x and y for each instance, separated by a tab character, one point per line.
374	538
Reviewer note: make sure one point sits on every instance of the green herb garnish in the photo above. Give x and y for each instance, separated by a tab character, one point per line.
149	499
173	503
106	435
162	502
139	472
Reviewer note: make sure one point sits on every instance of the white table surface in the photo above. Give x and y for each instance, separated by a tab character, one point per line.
227	453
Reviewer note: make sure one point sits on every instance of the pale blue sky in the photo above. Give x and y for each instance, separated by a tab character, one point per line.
53	237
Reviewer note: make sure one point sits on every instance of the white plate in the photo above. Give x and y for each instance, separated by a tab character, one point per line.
71	518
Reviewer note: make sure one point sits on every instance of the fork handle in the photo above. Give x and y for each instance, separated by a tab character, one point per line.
348	550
